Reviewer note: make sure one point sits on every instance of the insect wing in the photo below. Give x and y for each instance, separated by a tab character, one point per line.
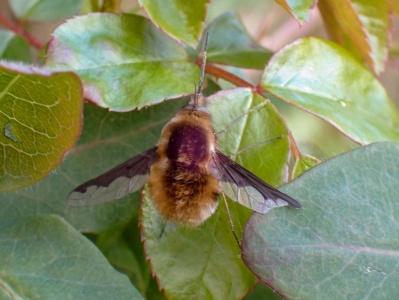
118	182
242	186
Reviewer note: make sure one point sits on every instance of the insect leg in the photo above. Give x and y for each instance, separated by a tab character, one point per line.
231	220
257	144
240	117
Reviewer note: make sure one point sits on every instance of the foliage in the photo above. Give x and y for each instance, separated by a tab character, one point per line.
342	242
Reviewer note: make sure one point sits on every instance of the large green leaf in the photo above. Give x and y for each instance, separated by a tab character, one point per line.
324	79
230	44
204	262
124	61
299	9
363	26
45	10
180	18
107	140
13	47
43	257
344	241
40	119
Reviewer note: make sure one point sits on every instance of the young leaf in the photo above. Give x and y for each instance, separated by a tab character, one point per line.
325	80
230	44
344	239
43	257
345	27
181	19
124	61
363	26
41	118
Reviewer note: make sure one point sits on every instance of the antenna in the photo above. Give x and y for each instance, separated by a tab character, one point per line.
203	64
201	81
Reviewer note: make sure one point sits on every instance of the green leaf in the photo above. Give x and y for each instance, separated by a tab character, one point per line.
107	140
325	80
124	250
43	257
250	130
13	47
117	251
41	117
180	18
124	61
230	44
300	10
45	10
204	262
344	241
363	26
304	163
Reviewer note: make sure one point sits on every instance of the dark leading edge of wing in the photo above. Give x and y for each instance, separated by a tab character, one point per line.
118	182
242	186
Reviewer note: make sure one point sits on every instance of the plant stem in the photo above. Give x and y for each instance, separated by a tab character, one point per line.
20	31
111	6
220	73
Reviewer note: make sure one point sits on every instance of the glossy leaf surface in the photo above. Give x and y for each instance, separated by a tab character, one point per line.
179	18
108	138
40	120
324	79
124	61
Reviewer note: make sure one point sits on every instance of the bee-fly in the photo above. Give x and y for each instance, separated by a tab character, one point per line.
186	172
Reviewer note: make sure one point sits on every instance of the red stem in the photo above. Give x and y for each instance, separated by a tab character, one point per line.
294	147
20	31
220	73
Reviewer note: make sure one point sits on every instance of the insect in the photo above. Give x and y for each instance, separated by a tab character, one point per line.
186	172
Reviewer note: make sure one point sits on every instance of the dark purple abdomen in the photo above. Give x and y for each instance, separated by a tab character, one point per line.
187	145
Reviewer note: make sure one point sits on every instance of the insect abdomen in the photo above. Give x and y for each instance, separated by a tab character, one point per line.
182	187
